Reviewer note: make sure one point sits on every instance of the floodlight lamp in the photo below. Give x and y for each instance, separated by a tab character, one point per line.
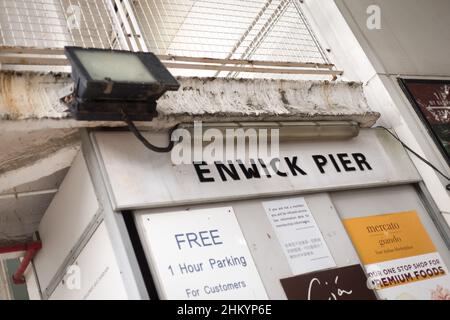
113	84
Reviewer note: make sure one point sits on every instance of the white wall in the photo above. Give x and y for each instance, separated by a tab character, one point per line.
99	274
413	41
78	229
414	38
65	221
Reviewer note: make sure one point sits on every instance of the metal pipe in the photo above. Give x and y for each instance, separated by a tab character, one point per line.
13	248
17	195
31	249
291	131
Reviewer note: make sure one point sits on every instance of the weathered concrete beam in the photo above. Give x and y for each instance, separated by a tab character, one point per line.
38	166
18	149
32	100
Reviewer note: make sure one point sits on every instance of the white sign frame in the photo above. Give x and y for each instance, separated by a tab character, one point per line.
137	178
183	270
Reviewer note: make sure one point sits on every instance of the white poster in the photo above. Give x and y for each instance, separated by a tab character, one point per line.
299	235
200	254
423	277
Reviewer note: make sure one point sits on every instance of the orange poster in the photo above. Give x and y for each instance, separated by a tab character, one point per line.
389	236
400	259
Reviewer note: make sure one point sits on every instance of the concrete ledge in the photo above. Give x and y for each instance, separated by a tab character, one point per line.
32	100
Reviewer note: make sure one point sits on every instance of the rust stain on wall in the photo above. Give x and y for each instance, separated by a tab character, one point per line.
37	96
7	95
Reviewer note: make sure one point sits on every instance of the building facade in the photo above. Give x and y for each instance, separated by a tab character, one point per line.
337	96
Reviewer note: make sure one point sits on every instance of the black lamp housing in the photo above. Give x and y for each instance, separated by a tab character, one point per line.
111	82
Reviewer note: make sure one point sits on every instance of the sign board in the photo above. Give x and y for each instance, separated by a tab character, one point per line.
400	259
431	100
346	283
299	235
199	254
138	178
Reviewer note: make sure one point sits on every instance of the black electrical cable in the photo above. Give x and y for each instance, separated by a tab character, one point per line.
418	156
144	141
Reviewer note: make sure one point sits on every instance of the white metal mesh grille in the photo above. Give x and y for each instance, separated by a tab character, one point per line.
272	30
36	23
90	23
252	29
56	23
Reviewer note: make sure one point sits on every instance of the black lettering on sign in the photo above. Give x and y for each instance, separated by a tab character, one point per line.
294	167
338	169
345	161
361	161
257	169
263	165
250	173
275	164
230	170
202	171
320	161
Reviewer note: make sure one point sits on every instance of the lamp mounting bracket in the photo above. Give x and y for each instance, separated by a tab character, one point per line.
110	110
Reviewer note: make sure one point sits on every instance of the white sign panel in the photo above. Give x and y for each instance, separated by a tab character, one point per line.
200	254
95	275
139	178
299	235
423	277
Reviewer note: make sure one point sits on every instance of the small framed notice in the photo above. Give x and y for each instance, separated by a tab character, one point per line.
200	254
299	235
431	100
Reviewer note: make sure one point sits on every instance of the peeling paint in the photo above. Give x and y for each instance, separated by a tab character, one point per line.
35	96
25	95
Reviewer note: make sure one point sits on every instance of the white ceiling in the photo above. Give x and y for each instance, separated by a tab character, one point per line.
20	216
